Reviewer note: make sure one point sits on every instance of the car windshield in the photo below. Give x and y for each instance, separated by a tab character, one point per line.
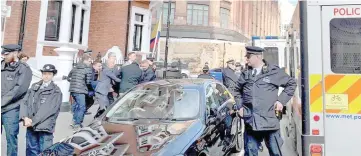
167	102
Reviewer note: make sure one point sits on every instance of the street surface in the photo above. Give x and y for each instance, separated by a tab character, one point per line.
63	130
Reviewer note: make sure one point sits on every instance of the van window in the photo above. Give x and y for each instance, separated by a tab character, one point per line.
270	54
345	45
285	56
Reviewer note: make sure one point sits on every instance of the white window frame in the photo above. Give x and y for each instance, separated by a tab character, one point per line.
65	25
145	32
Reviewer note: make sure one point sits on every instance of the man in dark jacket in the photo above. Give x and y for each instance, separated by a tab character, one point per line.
205	74
80	84
89	99
15	81
256	94
130	76
39	111
228	73
148	73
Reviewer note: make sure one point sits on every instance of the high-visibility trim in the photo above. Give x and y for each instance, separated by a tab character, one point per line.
349	85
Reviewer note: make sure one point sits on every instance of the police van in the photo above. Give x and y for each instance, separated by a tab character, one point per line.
324	116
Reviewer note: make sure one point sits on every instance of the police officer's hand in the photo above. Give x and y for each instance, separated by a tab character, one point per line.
27	122
240	112
278	106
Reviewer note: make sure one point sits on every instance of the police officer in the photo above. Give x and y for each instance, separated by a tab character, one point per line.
238	69
205	74
15	81
148	73
39	111
228	74
256	94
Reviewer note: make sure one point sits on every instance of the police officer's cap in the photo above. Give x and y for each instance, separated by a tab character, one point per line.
8	48
254	50
49	68
238	64
205	68
150	58
230	61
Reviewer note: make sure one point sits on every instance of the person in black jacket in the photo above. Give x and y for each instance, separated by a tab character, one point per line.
228	73
15	80
148	73
130	76
205	74
80	84
39	111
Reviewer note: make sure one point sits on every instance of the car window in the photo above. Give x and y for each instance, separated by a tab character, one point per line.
223	94
211	102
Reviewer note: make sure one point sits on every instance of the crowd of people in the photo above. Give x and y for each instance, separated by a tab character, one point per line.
104	81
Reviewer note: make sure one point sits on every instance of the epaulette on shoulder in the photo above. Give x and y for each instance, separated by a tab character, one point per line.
56	88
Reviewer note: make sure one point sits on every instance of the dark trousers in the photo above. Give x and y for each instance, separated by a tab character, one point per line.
110	98
10	122
78	108
272	140
37	142
89	101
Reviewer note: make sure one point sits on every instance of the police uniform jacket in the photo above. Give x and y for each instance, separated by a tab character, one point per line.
105	81
148	75
229	77
80	78
258	94
15	81
130	76
42	106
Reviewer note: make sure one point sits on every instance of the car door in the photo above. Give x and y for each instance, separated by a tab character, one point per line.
224	99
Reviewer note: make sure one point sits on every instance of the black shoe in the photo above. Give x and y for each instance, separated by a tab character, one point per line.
100	112
87	113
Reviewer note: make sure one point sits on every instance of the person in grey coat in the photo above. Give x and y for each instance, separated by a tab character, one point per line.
15	80
39	111
80	84
148	72
130	76
103	88
228	74
256	95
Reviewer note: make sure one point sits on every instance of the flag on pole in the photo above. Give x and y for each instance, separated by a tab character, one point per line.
156	34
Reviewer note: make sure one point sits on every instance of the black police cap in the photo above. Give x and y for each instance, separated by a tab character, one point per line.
205	68
8	48
150	58
49	68
254	50
230	61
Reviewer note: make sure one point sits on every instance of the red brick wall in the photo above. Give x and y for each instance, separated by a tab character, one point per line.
49	51
108	25
12	27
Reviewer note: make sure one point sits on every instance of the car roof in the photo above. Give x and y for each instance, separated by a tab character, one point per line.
195	82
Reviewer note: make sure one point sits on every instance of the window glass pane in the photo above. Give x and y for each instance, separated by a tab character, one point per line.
53	21
345	45
81	26
72	23
189	16
189	6
271	55
200	17
138	18
195	14
205	8
137	37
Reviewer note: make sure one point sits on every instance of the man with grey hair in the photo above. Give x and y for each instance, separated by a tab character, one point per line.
132	56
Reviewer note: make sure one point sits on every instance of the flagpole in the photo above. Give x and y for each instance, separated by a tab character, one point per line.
166	40
156	37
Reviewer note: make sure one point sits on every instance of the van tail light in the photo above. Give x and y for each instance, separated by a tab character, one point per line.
316	150
315	132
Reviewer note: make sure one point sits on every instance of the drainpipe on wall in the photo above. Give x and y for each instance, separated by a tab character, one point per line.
127	34
22	24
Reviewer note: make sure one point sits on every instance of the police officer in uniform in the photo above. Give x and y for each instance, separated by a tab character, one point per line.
39	111
256	94
15	81
228	73
205	74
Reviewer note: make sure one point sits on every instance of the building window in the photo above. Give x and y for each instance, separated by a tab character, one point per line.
53	21
197	14
81	26
137	36
224	15
72	23
165	13
345	45
271	55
